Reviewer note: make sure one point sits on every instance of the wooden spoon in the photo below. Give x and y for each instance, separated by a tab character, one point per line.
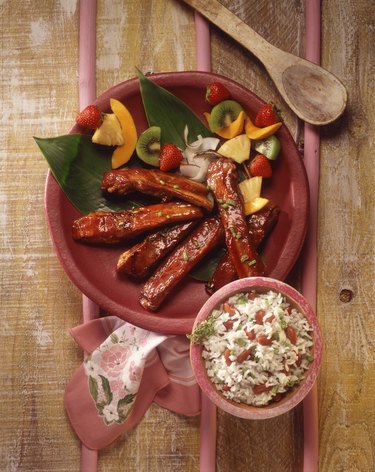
314	94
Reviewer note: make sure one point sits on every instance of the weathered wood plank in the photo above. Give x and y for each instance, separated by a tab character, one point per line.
39	96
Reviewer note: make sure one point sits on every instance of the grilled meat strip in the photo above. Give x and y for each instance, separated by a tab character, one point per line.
222	179
157	183
260	224
140	259
114	227
208	235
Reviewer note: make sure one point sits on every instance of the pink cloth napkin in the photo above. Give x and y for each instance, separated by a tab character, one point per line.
126	369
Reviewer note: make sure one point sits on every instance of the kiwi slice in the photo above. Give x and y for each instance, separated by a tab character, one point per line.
269	147
148	146
224	113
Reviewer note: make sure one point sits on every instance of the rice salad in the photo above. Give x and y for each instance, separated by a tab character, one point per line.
256	347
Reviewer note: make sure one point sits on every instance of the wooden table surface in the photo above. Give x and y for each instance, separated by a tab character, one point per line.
39	97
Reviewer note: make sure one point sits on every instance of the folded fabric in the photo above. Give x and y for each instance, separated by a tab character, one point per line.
126	369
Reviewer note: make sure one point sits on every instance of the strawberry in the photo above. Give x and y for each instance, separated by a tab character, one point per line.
90	117
260	166
267	115
170	157
216	92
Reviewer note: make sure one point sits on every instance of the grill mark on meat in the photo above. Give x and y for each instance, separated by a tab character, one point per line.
102	227
156	183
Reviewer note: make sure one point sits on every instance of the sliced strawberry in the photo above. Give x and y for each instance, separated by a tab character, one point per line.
91	117
216	92
170	157
267	115
260	166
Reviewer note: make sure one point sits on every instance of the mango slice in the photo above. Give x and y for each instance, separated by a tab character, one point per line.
231	131
253	132
122	154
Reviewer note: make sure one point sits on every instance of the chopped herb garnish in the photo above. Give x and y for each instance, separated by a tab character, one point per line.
203	331
185	256
176	186
252	262
242	299
309	357
231	202
168	217
244	258
160	213
241	342
196	243
161	182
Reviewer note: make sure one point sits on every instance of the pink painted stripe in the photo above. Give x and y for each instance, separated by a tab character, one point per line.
202	43
309	257
208	428
87	52
87	94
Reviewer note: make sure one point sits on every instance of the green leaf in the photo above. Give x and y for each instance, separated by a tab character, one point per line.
107	389
205	269
93	387
126	400
114	338
78	166
165	110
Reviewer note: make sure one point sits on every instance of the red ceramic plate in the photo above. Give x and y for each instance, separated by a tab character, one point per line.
93	269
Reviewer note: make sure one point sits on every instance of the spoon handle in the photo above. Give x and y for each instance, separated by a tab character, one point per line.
235	28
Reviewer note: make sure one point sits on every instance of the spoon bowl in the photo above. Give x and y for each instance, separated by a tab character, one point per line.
314	94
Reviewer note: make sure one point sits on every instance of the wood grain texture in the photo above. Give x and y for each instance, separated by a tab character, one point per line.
39	97
347	245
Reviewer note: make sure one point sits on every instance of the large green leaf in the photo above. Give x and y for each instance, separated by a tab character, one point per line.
165	110
78	166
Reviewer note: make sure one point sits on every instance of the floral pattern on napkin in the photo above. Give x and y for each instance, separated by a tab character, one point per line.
114	370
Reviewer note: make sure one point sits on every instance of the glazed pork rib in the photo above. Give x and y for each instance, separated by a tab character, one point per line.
140	259
207	236
157	183
222	179
260	224
100	227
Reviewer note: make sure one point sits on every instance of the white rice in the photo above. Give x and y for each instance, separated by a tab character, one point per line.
274	368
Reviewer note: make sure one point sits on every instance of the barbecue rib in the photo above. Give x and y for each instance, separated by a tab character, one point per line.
259	224
208	235
114	227
140	259
157	183
222	179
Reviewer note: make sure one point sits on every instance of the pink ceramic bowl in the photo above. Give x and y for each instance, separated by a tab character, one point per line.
290	399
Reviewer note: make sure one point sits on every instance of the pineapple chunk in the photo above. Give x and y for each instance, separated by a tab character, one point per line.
237	148
110	132
255	205
250	188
